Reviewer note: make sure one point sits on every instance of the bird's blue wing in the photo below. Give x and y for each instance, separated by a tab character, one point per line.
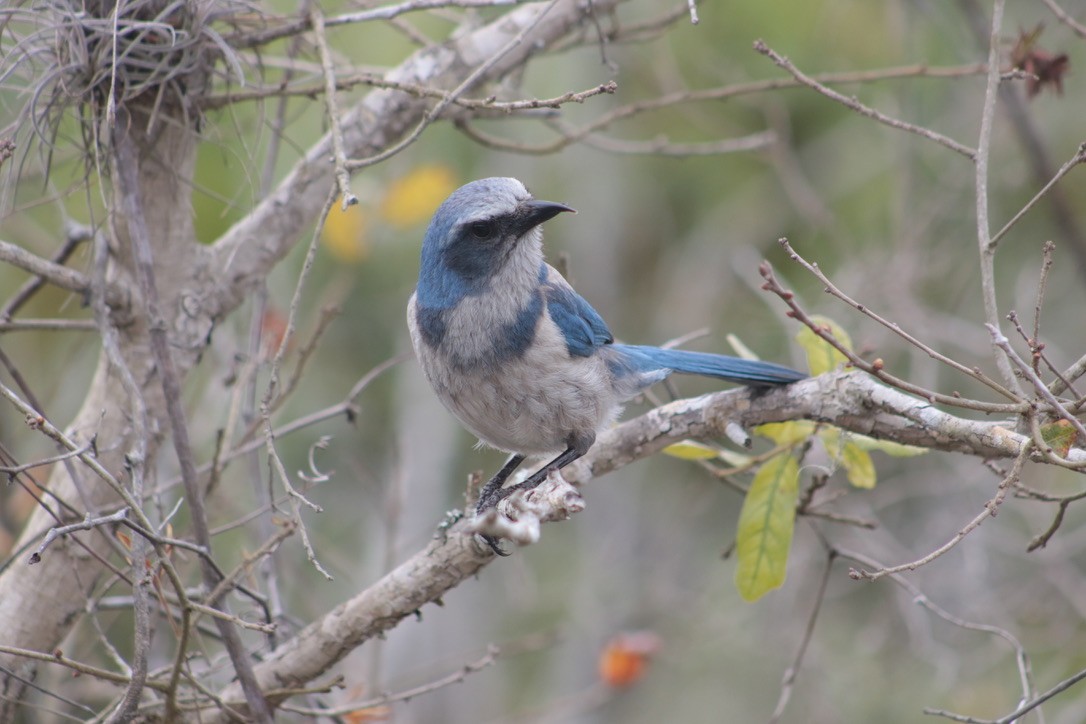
581	325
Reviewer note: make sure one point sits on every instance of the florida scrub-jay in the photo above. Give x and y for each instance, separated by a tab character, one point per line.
522	360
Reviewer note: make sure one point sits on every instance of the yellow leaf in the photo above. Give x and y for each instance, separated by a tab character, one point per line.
690	450
848	449
413	198
766	524
821	356
733	458
858	466
741	350
344	233
831	440
786	433
893	449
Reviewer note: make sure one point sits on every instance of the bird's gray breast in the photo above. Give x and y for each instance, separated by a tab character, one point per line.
507	375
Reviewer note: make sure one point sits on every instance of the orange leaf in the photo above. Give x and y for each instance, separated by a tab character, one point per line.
625	658
374	713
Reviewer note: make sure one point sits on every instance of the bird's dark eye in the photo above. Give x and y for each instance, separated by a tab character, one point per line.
482	229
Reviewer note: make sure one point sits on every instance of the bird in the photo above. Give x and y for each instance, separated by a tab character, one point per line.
514	353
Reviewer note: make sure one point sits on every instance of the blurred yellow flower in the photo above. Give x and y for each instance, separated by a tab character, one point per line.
414	198
344	233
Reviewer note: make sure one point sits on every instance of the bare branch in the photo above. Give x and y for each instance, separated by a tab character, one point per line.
76	235
1079	157
86	524
56	274
789	680
877	367
1001	341
474	77
132	212
990	510
343	179
894	327
247	251
1065	18
851	401
863	110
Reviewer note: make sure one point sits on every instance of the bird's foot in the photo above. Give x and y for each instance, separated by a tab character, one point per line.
495	545
517	512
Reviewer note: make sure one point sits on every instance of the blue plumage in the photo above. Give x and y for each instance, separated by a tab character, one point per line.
519	357
732	369
582	327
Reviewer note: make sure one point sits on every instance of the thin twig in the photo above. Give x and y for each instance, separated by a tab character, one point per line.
76	235
132	213
693	6
444	103
1017	713
867	111
375	80
1047	259
86	524
249	40
48	325
990	510
876	368
1000	341
1078	158
1022	661
568	136
491	656
339	157
12	470
1036	347
296	498
1078	28
983	154
789	679
56	274
894	327
58	657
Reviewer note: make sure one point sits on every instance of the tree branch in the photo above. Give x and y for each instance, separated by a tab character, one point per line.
247	251
852	401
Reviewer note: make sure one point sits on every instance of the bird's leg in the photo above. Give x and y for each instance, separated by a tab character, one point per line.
493	492
578	446
488	496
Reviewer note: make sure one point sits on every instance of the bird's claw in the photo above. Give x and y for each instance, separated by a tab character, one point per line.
495	545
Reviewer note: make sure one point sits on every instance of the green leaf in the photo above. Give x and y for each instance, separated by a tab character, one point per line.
786	433
690	450
1060	435
766	523
821	356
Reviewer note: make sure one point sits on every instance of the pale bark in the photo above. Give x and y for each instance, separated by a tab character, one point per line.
198	286
851	401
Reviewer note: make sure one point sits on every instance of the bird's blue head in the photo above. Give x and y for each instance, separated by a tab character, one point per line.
473	235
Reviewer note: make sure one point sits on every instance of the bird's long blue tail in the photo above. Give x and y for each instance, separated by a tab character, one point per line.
733	369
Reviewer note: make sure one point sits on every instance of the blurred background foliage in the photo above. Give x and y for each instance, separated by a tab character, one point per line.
661	247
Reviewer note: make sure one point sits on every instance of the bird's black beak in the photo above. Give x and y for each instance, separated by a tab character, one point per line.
535	212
